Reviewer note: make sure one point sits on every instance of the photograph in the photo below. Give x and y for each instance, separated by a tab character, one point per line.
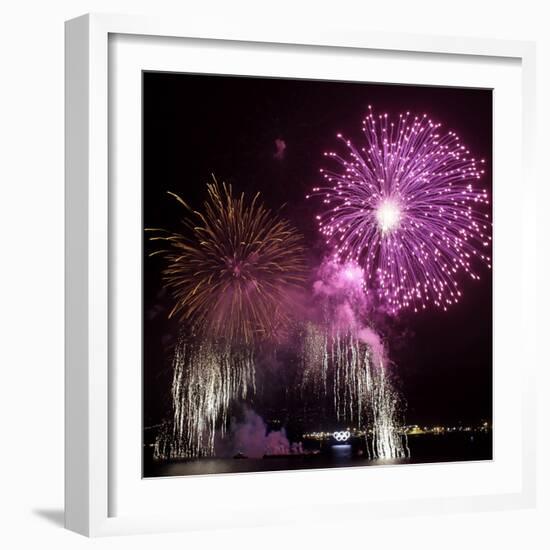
317	284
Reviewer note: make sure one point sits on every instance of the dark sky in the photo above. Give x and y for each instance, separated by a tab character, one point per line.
197	125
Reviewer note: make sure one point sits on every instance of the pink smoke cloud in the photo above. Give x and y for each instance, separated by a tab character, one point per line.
373	340
251	438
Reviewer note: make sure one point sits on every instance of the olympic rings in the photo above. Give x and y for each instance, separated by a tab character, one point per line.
341	436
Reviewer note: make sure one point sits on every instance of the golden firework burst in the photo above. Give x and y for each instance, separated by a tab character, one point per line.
235	268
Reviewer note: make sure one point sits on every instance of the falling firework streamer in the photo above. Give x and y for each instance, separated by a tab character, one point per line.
208	377
386	439
362	391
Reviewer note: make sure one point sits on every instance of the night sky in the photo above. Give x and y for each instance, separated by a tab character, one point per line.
197	125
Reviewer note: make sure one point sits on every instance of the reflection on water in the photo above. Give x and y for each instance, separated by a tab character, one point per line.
424	449
341	453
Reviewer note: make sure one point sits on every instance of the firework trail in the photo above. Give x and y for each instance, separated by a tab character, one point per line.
405	206
234	268
233	271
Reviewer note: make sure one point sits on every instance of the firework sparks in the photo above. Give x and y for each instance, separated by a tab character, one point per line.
362	389
207	378
233	272
234	269
406	208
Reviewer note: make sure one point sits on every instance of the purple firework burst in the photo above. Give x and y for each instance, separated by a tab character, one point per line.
406	207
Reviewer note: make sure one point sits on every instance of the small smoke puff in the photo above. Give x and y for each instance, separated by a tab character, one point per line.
352	272
251	438
344	316
280	146
372	339
320	288
277	443
334	277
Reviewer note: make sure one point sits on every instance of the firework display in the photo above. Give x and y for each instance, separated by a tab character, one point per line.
232	272
406	205
302	319
234	267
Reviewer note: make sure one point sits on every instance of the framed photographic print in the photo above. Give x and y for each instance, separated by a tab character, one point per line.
291	257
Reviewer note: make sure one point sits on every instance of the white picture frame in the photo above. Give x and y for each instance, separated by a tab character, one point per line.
95	428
